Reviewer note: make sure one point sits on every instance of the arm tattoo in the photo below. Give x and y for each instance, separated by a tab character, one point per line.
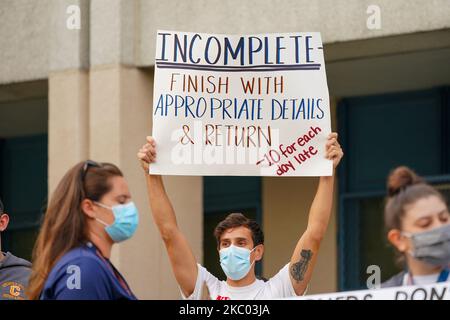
299	268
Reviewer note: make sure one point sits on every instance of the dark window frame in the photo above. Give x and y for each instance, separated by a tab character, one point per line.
348	236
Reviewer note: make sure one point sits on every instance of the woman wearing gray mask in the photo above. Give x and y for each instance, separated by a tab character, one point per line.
418	224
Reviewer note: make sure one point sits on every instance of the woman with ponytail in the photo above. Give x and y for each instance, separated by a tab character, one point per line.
418	225
89	211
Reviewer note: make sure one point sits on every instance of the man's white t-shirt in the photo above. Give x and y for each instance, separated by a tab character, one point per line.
279	286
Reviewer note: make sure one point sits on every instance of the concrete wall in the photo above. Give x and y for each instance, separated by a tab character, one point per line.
337	20
24	40
123	31
391	64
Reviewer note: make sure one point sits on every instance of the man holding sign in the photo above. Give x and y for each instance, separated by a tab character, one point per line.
240	242
240	105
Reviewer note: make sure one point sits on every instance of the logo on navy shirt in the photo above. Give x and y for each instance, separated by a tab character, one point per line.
13	290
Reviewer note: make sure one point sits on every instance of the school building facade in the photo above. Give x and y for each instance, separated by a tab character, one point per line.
71	94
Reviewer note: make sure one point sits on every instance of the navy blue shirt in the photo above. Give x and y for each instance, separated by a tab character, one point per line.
84	274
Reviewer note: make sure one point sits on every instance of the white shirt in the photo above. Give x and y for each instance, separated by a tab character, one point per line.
279	286
422	280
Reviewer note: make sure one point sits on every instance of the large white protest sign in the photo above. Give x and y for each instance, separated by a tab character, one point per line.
435	291
240	105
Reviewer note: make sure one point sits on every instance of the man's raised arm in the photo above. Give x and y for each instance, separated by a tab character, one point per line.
305	254
180	253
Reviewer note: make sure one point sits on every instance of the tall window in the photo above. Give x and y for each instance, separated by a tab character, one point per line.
23	189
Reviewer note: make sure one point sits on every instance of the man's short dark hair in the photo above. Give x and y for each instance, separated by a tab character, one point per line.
2	208
234	220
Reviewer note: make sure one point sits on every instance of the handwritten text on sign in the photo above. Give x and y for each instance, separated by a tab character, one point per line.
240	105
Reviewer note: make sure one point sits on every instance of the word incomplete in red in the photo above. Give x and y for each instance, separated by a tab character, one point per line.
298	149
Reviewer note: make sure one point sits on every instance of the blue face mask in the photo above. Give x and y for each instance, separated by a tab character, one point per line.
235	262
126	219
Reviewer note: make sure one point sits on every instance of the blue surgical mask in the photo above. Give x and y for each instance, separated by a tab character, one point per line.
126	219
235	262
